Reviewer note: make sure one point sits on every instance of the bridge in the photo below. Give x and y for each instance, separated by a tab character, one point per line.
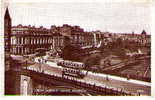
46	78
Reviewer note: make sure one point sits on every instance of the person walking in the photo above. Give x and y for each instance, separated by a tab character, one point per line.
107	78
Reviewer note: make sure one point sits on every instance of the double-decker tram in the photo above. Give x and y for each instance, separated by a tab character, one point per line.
73	55
72	69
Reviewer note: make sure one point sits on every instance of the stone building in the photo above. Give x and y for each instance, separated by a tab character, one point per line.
24	40
143	39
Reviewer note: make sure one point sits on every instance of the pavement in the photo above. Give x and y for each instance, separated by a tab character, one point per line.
114	82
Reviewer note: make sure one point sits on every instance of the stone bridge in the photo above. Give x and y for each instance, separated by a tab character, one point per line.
30	81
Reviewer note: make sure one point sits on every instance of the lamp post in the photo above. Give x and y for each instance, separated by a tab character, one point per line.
26	65
39	64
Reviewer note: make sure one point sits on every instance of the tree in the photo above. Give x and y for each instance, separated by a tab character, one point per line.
118	43
92	60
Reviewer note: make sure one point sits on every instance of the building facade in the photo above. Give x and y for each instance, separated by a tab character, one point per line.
27	39
143	39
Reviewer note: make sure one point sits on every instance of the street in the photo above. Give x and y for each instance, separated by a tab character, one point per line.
116	82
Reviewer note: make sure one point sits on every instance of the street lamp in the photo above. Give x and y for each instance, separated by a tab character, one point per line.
40	62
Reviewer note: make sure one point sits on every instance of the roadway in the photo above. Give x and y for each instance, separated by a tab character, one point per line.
132	86
115	82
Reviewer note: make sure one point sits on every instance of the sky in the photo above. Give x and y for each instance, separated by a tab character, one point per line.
111	17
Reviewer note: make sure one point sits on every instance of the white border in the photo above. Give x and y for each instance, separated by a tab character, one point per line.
75	97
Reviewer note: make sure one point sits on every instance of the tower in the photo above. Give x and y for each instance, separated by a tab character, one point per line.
7	43
7	31
143	32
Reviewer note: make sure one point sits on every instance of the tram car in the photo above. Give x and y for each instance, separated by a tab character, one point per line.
73	56
72	73
71	64
73	69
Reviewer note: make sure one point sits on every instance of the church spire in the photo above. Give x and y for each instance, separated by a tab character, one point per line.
7	15
7	30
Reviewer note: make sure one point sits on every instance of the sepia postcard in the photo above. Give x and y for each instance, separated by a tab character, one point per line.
76	48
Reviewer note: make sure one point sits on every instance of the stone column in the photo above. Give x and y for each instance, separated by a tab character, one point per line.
21	40
95	41
26	86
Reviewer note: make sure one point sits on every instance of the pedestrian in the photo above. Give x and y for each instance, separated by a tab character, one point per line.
39	60
107	78
128	76
45	60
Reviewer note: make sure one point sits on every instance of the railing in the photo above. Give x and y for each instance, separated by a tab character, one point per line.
113	70
101	90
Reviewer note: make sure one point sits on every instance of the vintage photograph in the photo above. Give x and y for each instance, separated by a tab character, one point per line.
77	48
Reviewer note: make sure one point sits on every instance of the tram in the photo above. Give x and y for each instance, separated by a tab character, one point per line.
72	73
73	55
72	69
